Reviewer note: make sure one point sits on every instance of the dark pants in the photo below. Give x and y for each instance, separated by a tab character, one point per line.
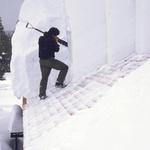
46	65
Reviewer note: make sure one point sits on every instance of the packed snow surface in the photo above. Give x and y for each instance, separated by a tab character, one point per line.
109	109
119	121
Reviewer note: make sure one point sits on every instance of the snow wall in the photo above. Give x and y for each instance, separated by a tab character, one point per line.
98	32
142	26
88	26
120	28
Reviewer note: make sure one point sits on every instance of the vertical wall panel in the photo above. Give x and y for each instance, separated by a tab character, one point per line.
88	26
142	26
120	28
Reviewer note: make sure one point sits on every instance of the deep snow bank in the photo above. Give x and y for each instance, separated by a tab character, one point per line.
120	121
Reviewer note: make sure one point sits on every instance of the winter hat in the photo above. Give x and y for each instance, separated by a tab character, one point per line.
53	31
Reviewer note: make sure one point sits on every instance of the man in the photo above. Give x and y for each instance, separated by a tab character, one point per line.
48	45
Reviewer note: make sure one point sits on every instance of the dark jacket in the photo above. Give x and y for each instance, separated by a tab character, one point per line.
47	47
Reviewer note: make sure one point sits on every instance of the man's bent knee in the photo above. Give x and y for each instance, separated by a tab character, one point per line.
65	67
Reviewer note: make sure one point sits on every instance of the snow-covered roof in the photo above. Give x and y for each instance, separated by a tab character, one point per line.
43	119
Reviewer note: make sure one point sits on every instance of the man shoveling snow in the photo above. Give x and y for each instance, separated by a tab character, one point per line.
48	46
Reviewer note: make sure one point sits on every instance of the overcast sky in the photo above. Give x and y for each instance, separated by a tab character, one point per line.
9	11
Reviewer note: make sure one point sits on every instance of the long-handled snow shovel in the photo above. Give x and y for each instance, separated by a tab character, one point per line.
30	26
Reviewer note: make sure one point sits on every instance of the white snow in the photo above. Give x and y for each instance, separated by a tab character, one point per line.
121	23
119	121
142	26
89	35
75	105
98	32
7	98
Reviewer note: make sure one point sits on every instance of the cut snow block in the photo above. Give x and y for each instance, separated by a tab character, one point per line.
25	66
142	26
121	21
88	35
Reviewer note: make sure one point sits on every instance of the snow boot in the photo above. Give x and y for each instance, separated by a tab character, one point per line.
42	97
60	85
